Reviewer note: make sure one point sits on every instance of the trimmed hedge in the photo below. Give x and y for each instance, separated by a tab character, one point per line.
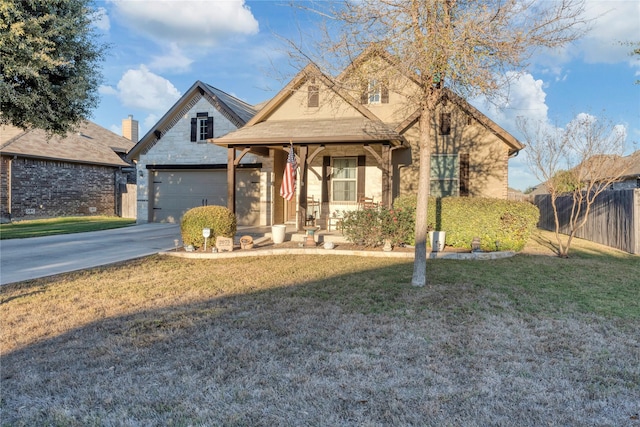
219	219
500	224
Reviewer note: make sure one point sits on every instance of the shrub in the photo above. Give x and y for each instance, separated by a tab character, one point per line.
500	224
219	219
370	227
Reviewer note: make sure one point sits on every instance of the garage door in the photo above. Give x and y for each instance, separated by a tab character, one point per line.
177	191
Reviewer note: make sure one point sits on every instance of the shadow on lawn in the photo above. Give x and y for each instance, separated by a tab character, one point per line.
345	350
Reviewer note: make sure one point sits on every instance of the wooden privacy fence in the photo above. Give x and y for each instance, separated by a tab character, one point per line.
614	219
128	201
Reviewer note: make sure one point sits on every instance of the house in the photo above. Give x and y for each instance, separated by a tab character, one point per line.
625	168
178	168
350	141
631	177
83	173
357	137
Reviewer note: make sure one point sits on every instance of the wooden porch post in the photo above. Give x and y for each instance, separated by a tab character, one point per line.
302	201
231	179
386	176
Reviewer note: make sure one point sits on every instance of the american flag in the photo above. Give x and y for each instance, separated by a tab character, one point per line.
288	187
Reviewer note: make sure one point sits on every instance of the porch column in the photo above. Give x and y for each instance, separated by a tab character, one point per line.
302	201
231	179
386	166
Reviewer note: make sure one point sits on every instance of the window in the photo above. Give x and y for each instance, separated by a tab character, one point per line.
344	179
201	127
375	92
445	175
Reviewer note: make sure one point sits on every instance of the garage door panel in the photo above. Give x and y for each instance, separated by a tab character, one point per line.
177	191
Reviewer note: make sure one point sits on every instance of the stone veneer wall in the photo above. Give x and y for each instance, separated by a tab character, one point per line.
43	188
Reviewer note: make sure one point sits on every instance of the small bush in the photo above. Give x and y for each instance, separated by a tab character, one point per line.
371	227
500	224
219	219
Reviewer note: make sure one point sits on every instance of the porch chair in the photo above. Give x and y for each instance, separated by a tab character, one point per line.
366	203
312	211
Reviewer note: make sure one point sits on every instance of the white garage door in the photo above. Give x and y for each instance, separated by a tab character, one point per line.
177	191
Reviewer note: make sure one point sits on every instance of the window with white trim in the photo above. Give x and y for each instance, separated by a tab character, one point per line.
375	92
344	179
445	175
202	128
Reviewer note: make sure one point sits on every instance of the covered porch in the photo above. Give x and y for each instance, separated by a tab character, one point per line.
339	162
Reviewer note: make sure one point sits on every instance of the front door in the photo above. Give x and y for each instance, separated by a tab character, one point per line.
290	209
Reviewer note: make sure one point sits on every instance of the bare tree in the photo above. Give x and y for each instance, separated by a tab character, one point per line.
468	47
582	160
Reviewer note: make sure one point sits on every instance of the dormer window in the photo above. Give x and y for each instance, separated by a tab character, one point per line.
201	127
313	95
375	92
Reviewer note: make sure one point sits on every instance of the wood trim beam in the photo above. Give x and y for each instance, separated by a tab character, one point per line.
231	179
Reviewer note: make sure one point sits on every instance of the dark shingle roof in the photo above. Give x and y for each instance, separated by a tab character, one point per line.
90	143
359	129
244	110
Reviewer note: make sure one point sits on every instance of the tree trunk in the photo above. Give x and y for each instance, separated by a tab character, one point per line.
424	182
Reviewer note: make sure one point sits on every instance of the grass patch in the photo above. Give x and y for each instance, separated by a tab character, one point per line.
62	225
304	340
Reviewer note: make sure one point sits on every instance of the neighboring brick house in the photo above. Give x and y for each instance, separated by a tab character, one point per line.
178	169
80	174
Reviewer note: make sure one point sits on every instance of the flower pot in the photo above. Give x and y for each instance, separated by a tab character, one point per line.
436	240
278	233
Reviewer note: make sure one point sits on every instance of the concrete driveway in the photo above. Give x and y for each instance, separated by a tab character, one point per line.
24	259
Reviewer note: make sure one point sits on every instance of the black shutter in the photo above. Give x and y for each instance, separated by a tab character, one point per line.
464	174
384	93
362	160
194	129
326	172
209	127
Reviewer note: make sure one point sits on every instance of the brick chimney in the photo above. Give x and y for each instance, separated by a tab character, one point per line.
130	128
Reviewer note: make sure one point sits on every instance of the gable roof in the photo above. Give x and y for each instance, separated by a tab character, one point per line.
375	50
235	110
259	130
513	144
89	144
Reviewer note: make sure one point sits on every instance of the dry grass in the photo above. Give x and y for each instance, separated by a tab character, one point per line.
530	340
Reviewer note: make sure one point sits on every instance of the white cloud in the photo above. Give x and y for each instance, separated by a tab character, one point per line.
150	121
107	90
101	19
614	21
174	60
522	96
201	23
147	91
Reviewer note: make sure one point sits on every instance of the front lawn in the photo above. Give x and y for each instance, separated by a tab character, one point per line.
61	225
303	340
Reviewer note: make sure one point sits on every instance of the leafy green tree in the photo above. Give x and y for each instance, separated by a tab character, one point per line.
468	47
49	54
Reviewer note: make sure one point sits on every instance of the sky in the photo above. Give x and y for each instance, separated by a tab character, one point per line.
159	49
